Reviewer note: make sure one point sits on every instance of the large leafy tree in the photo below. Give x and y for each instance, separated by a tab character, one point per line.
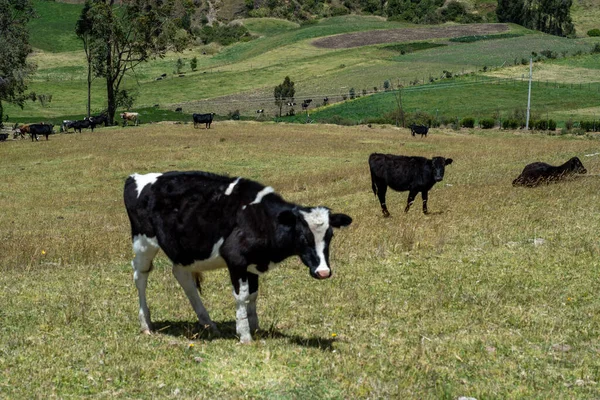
14	49
284	93
125	35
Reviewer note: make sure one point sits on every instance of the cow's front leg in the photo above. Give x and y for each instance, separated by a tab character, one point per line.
424	195
188	282
411	199
251	308
241	293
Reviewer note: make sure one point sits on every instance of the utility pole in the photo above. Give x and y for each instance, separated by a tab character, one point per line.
529	94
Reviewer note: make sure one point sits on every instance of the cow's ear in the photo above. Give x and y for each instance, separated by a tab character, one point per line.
448	161
287	218
339	220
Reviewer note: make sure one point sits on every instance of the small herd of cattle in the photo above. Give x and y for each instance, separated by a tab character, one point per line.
203	221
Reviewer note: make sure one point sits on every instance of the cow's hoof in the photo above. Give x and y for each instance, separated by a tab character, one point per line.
386	214
246	340
146	332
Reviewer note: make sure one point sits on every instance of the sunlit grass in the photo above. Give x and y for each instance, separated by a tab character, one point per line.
462	302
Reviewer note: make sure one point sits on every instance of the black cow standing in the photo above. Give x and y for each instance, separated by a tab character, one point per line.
539	172
204	221
3	137
419	129
203	119
402	173
40	129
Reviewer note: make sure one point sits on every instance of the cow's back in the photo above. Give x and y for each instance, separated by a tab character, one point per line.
188	212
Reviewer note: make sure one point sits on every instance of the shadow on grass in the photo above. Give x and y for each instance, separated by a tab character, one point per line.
193	331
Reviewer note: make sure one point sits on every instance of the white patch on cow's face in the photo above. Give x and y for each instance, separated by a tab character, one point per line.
142	180
261	194
214	261
318	222
231	186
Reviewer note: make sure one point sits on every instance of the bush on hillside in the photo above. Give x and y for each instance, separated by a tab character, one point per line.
595	49
511	123
234	115
467	122
593	32
590	126
224	34
487	123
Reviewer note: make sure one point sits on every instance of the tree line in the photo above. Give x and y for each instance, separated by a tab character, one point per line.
549	16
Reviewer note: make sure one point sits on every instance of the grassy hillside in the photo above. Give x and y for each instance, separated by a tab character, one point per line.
493	295
54	28
241	77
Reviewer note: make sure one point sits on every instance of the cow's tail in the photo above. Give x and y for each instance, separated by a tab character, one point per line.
373	185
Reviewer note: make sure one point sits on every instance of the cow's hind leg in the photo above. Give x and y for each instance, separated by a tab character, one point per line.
145	250
187	280
411	200
241	293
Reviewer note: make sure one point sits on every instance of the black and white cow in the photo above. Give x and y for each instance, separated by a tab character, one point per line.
203	119
419	129
204	221
402	173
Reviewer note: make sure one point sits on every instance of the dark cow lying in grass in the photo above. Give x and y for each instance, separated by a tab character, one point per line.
418	129
204	221
539	172
402	173
203	119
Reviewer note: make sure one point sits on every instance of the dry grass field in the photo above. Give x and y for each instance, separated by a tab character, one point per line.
493	295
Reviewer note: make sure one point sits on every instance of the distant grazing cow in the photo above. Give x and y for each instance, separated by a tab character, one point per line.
326	101
98	120
20	131
260	111
291	104
163	75
203	119
539	172
40	129
402	173
130	116
65	125
3	137
179	109
81	124
418	129
204	221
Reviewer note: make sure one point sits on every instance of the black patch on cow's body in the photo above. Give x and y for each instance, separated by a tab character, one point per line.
538	172
405	173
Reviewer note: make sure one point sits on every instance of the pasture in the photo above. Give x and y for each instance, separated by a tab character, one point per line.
493	295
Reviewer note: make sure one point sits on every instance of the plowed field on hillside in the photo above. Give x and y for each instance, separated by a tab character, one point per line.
366	38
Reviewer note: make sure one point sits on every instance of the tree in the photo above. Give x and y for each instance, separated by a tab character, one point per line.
549	16
194	63
129	34
83	30
14	49
284	93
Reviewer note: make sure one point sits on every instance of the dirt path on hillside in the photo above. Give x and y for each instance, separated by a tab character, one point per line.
356	39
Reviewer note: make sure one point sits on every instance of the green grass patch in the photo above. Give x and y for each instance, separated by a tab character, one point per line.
492	295
54	28
476	38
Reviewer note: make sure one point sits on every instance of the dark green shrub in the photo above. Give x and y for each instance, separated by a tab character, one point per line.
487	123
593	32
540	125
234	115
551	124
549	54
590	126
467	122
595	49
511	123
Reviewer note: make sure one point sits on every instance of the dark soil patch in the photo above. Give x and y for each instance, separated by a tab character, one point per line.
348	40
